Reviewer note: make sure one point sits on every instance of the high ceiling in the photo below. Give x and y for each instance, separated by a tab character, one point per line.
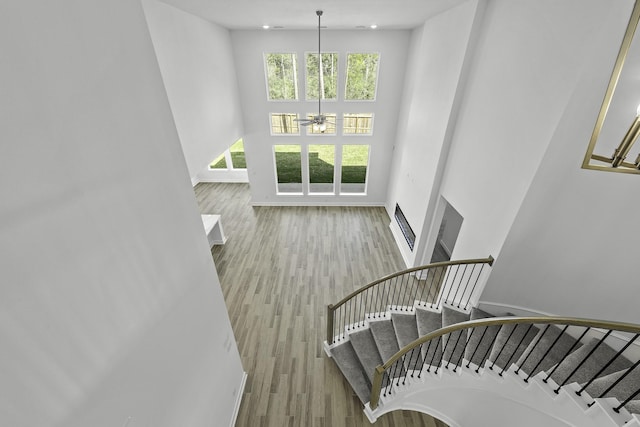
300	14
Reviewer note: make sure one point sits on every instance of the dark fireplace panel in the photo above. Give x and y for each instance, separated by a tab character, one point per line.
409	235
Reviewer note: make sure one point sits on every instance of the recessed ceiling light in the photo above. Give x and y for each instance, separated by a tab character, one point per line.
266	27
373	26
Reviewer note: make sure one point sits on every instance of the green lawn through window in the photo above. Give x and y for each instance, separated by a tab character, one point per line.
238	159
321	164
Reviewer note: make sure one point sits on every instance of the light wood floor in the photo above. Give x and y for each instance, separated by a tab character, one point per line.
279	269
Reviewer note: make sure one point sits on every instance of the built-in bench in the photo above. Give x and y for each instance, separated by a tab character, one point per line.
213	229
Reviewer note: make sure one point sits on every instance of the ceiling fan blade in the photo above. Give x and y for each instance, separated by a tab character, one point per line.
306	123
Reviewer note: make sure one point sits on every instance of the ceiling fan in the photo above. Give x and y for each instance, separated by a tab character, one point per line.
318	122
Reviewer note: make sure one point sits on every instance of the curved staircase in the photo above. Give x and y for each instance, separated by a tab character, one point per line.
433	354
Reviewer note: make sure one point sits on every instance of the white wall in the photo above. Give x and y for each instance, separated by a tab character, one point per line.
249	47
110	305
435	65
528	60
571	249
196	62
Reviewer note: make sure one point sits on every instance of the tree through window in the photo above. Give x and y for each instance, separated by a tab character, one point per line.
328	76
281	76
362	76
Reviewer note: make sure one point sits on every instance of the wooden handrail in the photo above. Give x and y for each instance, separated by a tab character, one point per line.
494	321
333	307
489	260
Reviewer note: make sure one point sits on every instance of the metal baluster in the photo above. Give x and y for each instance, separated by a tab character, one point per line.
435	352
367	305
385	299
454	347
415	367
459	362
414	292
546	352
402	292
465	286
486	328
486	353
604	393
444	350
474	286
409	366
453	282
534	346
618	354
627	400
546	379
446	278
419	274
583	361
516	350
504	345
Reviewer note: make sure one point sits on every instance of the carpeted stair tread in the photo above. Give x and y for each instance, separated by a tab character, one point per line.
623	390
598	358
547	349
366	350
479	342
454	343
385	336
633	406
406	328
347	360
427	322
407	332
511	342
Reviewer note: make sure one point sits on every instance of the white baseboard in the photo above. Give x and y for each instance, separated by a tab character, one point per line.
236	406
225	180
195	181
325	203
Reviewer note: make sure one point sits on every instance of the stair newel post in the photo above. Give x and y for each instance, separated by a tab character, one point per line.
330	330
376	387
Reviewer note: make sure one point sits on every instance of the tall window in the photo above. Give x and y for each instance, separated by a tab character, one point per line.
236	151
284	123
362	76
288	162
357	123
328	77
355	160
321	168
281	76
233	156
